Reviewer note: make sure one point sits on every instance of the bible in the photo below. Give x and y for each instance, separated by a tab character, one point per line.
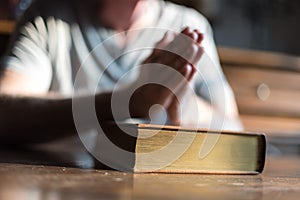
144	148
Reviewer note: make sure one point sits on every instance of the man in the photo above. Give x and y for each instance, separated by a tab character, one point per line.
55	40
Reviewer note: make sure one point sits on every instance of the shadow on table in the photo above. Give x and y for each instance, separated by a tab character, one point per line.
66	154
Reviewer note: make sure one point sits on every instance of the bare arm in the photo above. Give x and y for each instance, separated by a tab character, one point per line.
29	116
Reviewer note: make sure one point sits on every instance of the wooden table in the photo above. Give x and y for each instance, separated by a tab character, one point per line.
33	181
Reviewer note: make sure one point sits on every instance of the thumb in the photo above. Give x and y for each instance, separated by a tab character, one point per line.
174	111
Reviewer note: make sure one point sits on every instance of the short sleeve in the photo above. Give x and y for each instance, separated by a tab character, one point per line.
28	52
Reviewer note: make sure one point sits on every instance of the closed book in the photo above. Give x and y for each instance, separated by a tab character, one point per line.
144	148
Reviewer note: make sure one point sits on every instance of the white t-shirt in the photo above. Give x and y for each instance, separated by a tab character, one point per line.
56	38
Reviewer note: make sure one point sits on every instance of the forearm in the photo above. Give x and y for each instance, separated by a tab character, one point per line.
29	120
25	120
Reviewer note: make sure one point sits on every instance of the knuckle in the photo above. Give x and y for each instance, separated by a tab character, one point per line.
194	47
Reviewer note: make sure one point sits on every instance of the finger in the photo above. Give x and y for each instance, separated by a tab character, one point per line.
174	111
178	49
188	44
178	62
191	53
181	42
181	51
195	52
186	30
200	36
198	55
187	73
192	74
193	36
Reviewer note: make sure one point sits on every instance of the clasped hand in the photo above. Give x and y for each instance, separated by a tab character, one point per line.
167	72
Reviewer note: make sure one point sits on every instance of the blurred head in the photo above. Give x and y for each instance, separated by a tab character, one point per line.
120	14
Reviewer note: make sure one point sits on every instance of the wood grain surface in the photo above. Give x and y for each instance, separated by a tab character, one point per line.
280	180
67	173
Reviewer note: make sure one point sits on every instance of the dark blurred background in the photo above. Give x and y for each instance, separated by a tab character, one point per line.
10	10
255	24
